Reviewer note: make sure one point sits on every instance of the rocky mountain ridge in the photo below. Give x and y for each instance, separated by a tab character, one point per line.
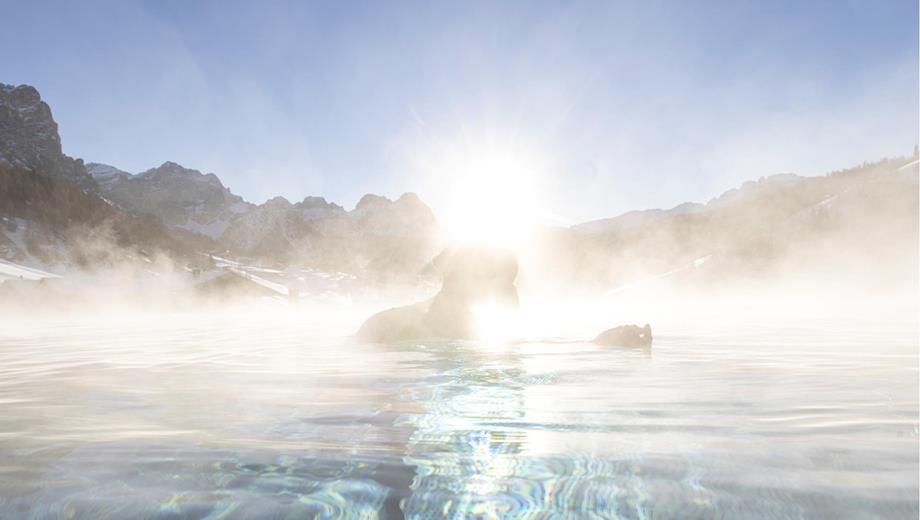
861	221
178	196
30	139
49	200
49	209
46	195
312	232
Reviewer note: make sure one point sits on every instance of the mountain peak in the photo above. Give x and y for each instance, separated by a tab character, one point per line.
409	198
172	168
179	196
278	202
21	95
319	203
29	136
314	202
370	201
173	172
102	172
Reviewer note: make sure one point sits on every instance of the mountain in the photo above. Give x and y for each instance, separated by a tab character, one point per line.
47	220
273	229
29	137
383	239
55	209
634	218
104	174
380	238
857	222
394	236
178	196
49	209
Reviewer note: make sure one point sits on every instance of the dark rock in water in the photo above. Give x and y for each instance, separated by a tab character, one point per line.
470	276
626	336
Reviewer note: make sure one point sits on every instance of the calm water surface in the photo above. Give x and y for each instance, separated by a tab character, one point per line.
174	418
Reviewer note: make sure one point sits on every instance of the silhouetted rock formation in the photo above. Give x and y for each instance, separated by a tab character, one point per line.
471	276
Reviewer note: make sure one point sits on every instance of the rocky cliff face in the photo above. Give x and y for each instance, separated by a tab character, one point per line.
179	197
29	137
49	208
380	238
48	220
104	174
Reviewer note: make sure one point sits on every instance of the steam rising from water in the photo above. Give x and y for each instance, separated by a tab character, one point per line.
783	397
786	390
264	411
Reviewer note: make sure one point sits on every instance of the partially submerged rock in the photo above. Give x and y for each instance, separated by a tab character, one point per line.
626	336
396	324
471	276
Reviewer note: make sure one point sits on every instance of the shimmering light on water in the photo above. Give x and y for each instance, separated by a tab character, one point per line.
259	418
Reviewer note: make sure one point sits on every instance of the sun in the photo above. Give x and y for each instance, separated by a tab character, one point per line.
492	198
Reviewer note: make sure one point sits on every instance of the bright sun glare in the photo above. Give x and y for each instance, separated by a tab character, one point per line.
491	195
496	324
493	198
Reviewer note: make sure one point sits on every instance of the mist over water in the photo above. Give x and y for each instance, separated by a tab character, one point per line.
781	382
269	409
332	260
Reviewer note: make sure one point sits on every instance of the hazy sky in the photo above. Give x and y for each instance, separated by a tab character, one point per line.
619	105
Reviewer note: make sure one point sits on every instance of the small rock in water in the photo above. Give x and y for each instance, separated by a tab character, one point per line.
626	336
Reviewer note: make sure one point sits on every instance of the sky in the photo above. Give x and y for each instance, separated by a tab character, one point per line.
598	107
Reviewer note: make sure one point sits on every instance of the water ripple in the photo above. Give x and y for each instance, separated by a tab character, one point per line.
208	421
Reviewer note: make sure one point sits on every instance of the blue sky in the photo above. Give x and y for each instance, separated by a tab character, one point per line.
622	105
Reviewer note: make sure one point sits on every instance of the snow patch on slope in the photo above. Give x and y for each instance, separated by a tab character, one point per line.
11	271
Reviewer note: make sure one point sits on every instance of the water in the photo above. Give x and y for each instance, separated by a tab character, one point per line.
257	418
